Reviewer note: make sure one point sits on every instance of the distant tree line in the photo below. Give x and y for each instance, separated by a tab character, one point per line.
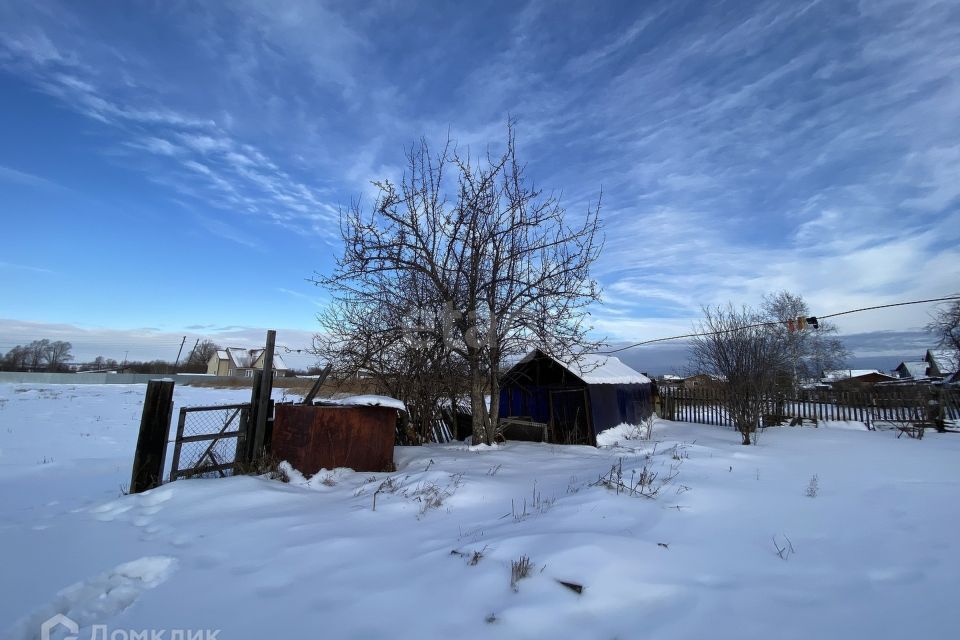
47	355
39	355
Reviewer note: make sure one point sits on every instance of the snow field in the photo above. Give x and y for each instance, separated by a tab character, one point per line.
874	550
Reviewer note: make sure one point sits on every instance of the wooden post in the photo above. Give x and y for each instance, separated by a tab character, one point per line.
941	413
251	425
152	442
308	399
263	403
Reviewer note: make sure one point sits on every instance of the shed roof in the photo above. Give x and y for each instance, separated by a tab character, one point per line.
843	374
595	368
369	400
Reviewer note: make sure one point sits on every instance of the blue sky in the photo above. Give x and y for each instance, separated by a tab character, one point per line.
177	168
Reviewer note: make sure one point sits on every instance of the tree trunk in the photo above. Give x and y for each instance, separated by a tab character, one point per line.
477	404
494	417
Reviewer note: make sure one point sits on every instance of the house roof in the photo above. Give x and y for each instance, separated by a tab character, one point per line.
246	358
943	359
843	374
706	376
915	370
239	358
595	369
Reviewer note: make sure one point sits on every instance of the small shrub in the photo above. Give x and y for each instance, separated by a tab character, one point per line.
813	488
644	483
784	549
267	465
432	496
279	474
538	504
519	569
474	557
387	486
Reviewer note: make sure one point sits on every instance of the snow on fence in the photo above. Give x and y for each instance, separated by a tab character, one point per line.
893	405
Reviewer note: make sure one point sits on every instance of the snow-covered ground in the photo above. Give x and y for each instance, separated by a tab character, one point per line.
869	549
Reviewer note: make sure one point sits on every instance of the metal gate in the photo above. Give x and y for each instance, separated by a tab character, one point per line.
209	440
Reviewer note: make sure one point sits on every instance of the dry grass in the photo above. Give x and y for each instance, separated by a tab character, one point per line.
519	569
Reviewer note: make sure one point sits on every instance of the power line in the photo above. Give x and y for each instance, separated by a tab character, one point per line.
776	323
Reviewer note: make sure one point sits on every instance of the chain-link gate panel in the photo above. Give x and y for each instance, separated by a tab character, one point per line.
208	440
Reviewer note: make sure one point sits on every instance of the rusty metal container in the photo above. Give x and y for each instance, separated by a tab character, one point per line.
324	437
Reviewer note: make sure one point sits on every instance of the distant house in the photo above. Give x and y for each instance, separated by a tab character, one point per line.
937	364
914	370
703	380
843	377
241	363
574	400
941	363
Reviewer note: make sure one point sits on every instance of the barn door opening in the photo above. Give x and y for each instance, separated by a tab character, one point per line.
570	417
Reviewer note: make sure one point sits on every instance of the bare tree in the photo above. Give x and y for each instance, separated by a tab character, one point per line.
200	355
743	348
812	350
495	263
58	354
16	359
945	326
399	346
37	353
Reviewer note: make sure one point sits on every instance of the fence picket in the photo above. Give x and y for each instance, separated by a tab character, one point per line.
896	405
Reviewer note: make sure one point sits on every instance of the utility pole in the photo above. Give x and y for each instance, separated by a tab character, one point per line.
177	361
192	351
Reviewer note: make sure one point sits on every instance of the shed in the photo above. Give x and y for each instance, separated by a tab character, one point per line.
574	400
852	377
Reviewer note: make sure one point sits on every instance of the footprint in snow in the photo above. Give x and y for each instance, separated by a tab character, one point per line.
96	600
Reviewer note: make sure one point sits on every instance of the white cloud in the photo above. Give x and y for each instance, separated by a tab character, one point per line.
15	176
233	174
24	267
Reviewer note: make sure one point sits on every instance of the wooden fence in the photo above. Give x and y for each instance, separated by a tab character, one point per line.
891	405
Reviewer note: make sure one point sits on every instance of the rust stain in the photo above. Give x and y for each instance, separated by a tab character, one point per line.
323	437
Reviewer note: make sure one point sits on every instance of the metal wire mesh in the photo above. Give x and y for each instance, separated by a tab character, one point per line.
211	420
201	454
218	426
